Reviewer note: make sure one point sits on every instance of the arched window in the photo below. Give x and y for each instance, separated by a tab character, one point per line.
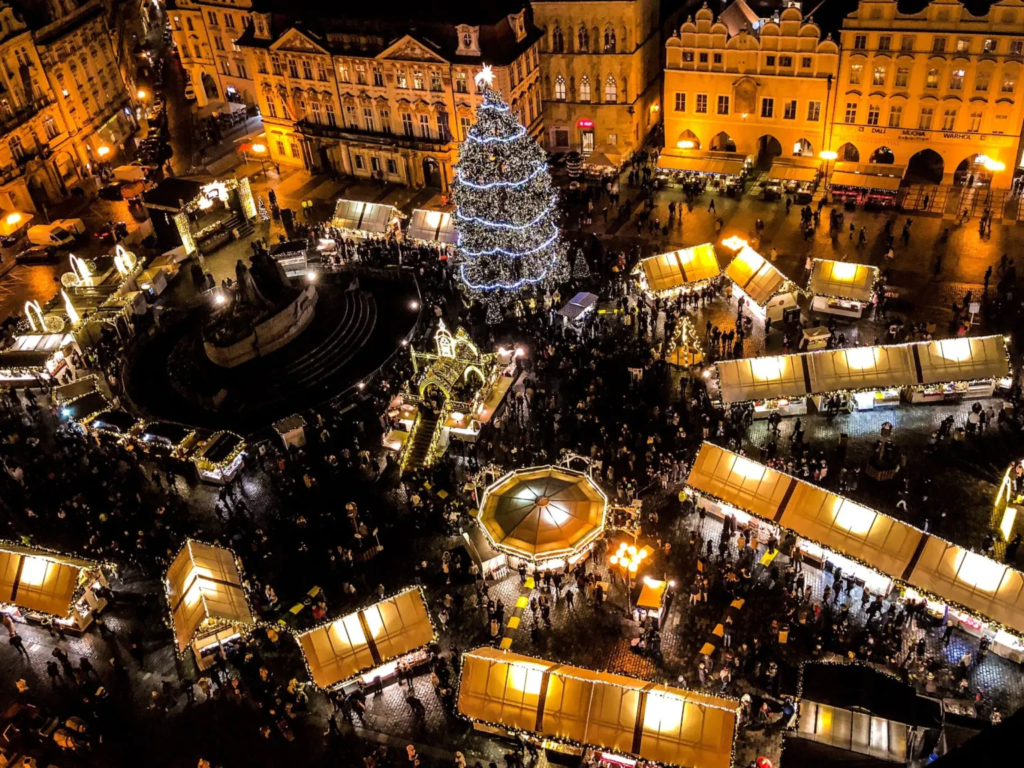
611	90
17	150
559	88
585	89
609	40
583	37
557	41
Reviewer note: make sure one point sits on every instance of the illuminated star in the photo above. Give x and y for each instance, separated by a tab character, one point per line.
485	76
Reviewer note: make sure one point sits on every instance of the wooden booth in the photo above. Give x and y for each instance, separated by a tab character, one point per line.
682	271
770	293
841	288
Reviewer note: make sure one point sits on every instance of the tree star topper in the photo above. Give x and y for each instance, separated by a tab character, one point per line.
485	76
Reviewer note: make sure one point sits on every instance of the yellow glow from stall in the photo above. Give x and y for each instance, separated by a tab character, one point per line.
29	307
855	518
1006	526
828	155
841	270
33	571
767	368
73	315
860	358
526	677
663	712
734	243
750	257
13	218
685	144
748	469
434	219
955	350
979	572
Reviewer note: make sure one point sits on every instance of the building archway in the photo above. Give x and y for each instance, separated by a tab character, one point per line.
803	148
688	140
925	167
431	173
882	156
848	153
210	86
972	172
722	142
768	148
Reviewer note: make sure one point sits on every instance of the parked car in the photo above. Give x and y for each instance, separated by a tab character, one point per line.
111	232
38	254
112	191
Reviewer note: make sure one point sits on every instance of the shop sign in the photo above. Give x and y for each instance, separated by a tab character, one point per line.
585	124
959	136
912	135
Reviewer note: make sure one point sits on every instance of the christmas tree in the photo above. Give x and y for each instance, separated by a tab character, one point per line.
508	240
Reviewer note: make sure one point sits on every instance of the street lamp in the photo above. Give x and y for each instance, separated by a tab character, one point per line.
141	94
103	151
829	157
628	559
261	151
734	243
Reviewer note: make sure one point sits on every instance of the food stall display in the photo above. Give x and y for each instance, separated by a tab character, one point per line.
953	369
370	642
874	185
770	293
291	430
293	256
34	357
113	423
219	458
492	562
42	586
433	227
579	306
682	271
209	604
875	548
652	599
853	731
73	390
82	409
774	384
551	703
841	288
677	164
166	438
797	176
361	219
543	514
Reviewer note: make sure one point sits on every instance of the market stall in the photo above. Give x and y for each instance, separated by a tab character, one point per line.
83	409
38	357
676	165
73	390
571	709
113	423
853	731
579	306
293	256
651	602
433	227
291	430
797	176
209	605
965	367
770	293
682	271
166	438
361	219
773	384
492	562
841	288
219	458
869	184
371	642
40	586
543	514
200	216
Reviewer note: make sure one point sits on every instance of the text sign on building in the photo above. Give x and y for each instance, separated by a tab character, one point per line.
584	123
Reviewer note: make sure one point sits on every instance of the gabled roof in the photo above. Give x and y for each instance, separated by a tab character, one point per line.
297	39
408	48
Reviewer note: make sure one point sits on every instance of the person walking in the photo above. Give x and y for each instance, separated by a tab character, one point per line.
18	644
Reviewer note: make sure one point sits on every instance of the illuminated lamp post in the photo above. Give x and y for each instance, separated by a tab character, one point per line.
829	157
261	153
628	559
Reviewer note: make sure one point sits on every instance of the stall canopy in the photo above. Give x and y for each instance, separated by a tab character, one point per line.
865	181
863	368
652	594
76	389
885	544
362	217
842	280
633	717
578	304
37	580
433	226
543	512
669	271
204	587
755	276
725	165
366	639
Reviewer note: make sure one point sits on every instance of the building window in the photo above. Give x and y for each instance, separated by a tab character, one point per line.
924	122
939	45
851	112
211	17
443	130
717	58
767	107
368	118
241	70
218	43
860	42
307	70
613	139
609	40
990	45
435	82
229	21
360	163
378	77
1016	47
611	90
417	80
948	119
425	126
703	58
295	149
585	89
460	83
884	42
385	120
785	61
769	61
343	74
559	88
1008	84
723	105
392	167
680	102
931	80
583	38
902	77
350	117
332	119
375	164
702	104
813	111
975	122
956	80
321	72
281	151
907	44
557	41
400	80
688	57
895	116
407	124
293	69
789	110
981	79
271	106
878	76
50	127
873	113
188	23
963	44
465	123
806	62
856	70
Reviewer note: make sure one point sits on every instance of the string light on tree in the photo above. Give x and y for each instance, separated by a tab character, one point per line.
505	208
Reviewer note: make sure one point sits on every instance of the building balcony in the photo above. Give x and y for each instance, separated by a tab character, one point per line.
22	115
321	130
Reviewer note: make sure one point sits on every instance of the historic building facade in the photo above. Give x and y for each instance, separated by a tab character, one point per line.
205	32
62	98
765	94
386	96
938	91
601	67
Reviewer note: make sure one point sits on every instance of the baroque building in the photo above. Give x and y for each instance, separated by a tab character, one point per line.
601	66
61	99
205	32
388	94
938	91
765	93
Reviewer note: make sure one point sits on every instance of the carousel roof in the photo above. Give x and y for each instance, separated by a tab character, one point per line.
543	512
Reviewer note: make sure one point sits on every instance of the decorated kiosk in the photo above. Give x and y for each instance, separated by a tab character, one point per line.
40	586
770	293
209	605
682	271
841	288
580	712
370	643
546	515
362	219
433	227
200	217
219	458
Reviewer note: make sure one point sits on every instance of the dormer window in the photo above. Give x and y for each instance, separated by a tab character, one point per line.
469	40
518	23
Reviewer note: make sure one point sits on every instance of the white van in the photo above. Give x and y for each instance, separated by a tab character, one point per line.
50	234
75	226
130	173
